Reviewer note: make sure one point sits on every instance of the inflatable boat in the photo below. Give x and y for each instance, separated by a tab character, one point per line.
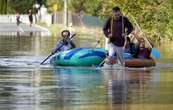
94	57
139	63
79	57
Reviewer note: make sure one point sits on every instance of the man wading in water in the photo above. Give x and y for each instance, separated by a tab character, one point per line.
116	28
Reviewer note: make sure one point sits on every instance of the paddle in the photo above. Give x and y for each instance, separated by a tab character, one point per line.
154	52
97	43
46	59
56	50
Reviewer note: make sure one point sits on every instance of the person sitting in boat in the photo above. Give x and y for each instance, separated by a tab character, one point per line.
143	52
130	48
65	44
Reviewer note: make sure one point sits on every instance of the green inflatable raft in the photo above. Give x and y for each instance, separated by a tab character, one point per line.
79	57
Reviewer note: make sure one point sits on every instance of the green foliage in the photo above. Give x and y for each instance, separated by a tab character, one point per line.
51	3
154	16
77	6
93	8
21	6
3	6
41	2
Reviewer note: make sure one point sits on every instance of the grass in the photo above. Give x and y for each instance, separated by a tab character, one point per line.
53	28
80	30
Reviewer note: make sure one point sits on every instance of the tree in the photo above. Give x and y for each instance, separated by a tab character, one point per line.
3	6
21	6
154	16
77	6
51	3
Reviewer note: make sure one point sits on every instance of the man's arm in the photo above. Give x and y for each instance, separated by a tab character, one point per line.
58	46
128	25
106	27
72	44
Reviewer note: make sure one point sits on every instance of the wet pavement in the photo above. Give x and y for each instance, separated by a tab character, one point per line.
23	29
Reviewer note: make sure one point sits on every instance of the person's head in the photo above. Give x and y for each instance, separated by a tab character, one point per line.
141	43
65	34
116	11
30	11
18	13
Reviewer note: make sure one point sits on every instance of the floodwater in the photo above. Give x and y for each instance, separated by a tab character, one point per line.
27	85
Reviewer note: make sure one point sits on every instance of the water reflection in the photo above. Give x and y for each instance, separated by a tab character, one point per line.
15	89
82	88
126	88
25	45
115	87
24	84
26	89
79	86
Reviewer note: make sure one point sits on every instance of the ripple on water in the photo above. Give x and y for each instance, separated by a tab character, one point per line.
34	62
23	61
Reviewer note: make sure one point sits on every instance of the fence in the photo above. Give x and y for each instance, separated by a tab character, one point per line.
77	20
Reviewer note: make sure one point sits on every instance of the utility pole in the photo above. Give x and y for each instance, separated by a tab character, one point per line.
65	14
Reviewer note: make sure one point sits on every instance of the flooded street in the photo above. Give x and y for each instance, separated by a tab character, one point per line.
27	85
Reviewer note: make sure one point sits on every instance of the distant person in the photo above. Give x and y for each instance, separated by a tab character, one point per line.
65	44
30	17
18	19
19	28
116	28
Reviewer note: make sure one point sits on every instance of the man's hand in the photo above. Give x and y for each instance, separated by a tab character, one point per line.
124	35
110	35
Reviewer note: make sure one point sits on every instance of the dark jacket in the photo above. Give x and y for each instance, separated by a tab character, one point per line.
144	53
118	27
63	45
30	17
